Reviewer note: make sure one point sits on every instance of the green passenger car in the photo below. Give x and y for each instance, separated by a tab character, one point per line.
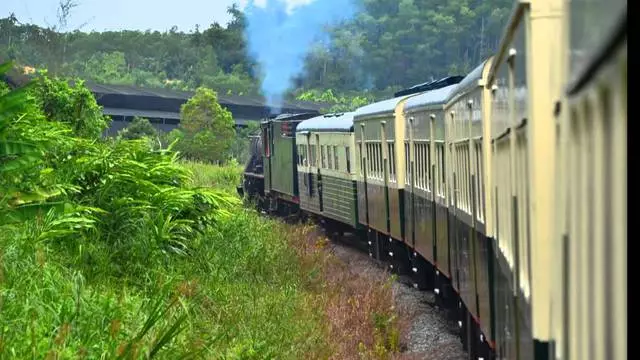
326	170
280	176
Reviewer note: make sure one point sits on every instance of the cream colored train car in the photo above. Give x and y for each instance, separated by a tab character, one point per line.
379	137
467	135
524	79
588	309
326	174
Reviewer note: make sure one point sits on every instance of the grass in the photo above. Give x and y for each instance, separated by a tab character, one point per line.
220	177
354	313
248	288
239	296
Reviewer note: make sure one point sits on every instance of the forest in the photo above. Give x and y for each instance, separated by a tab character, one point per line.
387	45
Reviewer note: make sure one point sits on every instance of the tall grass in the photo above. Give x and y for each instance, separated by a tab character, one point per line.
214	176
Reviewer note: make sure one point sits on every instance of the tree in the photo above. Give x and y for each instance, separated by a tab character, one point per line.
74	105
208	128
139	128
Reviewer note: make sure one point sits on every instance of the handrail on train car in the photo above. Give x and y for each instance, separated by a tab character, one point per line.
514	21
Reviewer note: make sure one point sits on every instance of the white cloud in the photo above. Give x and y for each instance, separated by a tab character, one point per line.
260	3
291	4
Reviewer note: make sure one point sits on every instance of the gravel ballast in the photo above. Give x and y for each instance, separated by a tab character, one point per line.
429	334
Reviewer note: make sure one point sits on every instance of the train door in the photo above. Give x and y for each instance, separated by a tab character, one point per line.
322	158
308	175
432	184
410	154
267	143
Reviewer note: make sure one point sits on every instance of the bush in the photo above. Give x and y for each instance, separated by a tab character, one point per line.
139	128
73	105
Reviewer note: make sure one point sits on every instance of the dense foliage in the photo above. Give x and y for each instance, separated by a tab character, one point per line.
138	129
206	131
392	44
389	44
108	250
214	58
73	105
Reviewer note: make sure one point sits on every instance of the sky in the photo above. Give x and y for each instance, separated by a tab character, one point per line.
103	15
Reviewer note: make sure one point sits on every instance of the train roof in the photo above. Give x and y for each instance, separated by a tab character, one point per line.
342	122
429	98
380	107
431	85
291	117
470	81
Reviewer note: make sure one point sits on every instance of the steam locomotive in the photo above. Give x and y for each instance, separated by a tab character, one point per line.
503	191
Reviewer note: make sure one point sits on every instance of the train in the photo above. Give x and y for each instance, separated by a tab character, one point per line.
503	191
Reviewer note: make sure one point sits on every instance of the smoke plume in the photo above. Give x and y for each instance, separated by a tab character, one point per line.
279	34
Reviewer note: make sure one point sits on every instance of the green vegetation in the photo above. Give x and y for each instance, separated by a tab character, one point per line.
206	131
107	249
117	249
343	103
214	58
139	128
390	44
73	105
217	177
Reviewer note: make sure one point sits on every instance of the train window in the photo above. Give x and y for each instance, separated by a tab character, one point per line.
312	156
418	175
376	161
428	165
335	158
380	160
418	152
442	170
407	163
372	160
265	136
323	156
367	148
329	158
425	166
361	159
348	156
306	156
419	164
392	163
480	180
